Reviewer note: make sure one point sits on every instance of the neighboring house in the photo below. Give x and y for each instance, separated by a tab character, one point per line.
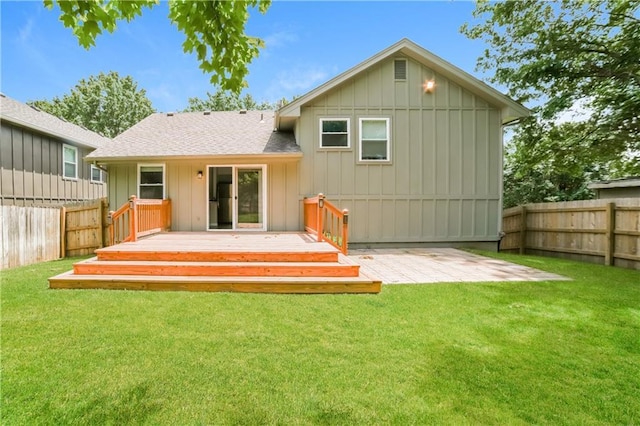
41	158
617	188
409	143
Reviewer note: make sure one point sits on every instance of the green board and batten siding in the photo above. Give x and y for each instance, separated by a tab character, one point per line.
188	194
444	179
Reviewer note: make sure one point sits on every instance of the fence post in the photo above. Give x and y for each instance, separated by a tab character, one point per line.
63	232
133	218
610	246
523	229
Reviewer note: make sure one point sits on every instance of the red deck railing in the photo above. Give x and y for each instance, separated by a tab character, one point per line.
137	218
325	220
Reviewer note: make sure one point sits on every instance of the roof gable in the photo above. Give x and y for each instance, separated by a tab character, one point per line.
511	110
24	115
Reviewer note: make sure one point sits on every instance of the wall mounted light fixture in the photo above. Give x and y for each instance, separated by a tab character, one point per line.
428	86
200	174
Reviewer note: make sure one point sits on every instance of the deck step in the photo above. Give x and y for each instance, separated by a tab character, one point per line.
344	268
202	255
302	285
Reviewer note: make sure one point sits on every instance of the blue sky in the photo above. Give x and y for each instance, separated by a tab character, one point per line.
307	43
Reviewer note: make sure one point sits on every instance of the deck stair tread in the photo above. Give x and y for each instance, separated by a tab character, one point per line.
258	284
70	276
219	255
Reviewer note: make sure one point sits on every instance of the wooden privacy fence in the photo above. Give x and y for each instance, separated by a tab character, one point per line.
137	218
84	227
325	220
29	235
599	231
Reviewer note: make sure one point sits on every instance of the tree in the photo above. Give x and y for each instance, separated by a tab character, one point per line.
214	30
107	104
226	101
558	55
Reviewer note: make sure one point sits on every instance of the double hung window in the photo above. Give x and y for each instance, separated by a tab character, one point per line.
69	162
334	133
375	144
151	181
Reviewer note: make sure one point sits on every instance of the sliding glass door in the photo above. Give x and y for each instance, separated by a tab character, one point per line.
236	197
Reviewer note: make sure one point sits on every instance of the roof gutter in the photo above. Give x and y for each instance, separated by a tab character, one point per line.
274	156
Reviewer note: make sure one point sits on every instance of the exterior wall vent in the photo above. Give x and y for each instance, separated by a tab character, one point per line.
243	111
207	113
169	114
400	69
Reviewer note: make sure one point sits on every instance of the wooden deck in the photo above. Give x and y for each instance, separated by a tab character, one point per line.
231	262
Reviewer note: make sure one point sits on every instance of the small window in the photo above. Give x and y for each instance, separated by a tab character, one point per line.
151	178
374	139
69	162
400	69
96	174
334	133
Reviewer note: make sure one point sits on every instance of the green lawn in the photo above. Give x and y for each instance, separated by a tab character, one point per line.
491	353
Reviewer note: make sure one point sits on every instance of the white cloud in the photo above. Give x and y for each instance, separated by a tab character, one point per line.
164	99
300	79
24	33
279	39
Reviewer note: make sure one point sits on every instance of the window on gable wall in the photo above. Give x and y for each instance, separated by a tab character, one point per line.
69	162
375	143
334	133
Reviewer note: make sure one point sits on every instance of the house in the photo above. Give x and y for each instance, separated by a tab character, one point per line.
408	143
41	158
628	187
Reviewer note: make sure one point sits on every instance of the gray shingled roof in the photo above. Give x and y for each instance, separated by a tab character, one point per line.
194	134
22	114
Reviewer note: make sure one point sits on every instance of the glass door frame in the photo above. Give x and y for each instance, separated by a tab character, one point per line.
234	196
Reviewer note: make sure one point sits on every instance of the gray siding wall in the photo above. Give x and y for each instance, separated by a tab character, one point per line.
444	181
31	170
624	192
189	195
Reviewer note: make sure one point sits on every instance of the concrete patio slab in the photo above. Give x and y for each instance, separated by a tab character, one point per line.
434	265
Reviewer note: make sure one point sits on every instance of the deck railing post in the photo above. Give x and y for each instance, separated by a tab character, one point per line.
133	218
320	219
112	237
345	230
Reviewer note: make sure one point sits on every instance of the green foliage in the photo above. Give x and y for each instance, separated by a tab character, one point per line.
226	101
214	30
562	352
560	54
107	104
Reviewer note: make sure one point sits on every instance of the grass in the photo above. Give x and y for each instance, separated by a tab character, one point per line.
491	353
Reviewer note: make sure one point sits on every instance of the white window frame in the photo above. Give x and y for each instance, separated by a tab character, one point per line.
347	119
101	180
388	139
64	162
164	177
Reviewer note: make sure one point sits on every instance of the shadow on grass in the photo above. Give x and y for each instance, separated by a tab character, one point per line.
132	406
